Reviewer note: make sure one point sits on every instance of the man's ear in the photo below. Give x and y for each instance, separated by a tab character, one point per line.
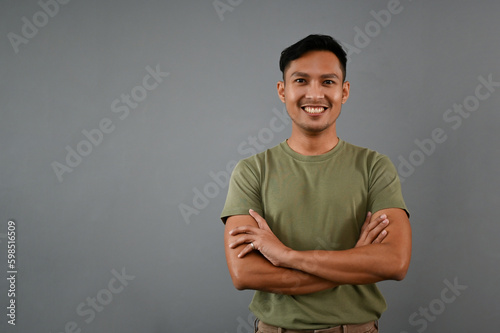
346	86
281	90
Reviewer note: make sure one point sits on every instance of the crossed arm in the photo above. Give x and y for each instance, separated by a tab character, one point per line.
382	253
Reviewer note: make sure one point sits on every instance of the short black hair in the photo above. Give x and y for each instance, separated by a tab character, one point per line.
313	43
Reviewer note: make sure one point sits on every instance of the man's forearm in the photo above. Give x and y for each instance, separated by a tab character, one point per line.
369	264
259	274
361	265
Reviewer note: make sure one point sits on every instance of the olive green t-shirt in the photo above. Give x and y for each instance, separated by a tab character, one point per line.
316	203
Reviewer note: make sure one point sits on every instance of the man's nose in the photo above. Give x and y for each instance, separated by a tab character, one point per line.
315	91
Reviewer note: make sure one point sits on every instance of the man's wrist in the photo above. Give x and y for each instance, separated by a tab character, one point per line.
289	259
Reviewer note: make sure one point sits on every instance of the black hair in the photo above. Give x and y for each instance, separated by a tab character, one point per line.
313	43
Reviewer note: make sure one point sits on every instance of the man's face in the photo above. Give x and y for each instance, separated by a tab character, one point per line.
313	91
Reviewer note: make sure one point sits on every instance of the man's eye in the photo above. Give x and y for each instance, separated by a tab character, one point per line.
329	82
300	80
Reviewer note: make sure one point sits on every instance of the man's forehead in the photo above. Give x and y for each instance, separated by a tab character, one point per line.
314	62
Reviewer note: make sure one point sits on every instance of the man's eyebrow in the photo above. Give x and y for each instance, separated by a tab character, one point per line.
300	74
323	76
330	76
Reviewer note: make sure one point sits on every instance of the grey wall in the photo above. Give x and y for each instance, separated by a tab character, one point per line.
89	210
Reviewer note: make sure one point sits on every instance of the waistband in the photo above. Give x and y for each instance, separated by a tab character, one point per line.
351	328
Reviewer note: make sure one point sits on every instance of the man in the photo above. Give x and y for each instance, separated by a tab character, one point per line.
298	224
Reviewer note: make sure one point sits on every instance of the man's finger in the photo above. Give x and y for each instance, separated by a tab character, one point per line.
246	250
380	237
259	219
367	221
372	232
244	229
376	222
244	239
375	232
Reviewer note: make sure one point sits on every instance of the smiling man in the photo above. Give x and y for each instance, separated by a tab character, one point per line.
298	223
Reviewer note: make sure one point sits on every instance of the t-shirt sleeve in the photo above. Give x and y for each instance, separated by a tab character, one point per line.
244	191
384	186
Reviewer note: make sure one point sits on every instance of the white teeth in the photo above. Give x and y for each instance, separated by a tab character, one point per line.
310	109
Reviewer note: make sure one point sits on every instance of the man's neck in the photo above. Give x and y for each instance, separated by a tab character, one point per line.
313	144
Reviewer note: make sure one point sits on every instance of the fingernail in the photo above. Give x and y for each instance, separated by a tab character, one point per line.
383	216
385	221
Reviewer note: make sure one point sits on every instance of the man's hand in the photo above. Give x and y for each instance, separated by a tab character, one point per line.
373	232
266	242
262	238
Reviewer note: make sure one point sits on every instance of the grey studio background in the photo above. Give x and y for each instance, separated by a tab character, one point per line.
120	122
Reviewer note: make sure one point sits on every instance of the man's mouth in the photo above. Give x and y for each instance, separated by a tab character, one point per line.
314	109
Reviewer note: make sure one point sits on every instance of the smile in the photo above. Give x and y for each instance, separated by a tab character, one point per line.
314	109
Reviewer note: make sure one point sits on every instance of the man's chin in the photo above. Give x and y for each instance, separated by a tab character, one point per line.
315	129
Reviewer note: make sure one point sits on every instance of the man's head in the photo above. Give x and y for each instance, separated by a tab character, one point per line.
314	86
313	43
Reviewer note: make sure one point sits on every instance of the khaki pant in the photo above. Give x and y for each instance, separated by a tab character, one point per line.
371	327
